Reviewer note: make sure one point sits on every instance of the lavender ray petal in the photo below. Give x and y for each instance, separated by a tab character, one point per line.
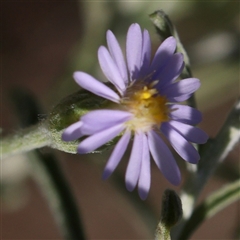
98	120
180	144
117	154
181	98
134	50
146	54
93	142
163	158
171	71
134	164
185	114
117	55
72	132
91	84
180	88
110	69
163	54
190	133
144	181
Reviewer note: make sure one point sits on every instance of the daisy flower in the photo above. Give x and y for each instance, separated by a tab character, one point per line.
147	97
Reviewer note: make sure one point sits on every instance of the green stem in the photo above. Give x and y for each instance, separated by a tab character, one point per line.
213	153
212	205
23	141
162	232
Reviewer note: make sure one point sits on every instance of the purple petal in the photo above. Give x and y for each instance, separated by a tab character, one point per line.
181	98
117	55
117	154
163	158
134	50
190	133
180	144
93	142
91	84
171	71
110	69
72	132
185	114
134	164
146	53
145	172
163	54
99	120
181	89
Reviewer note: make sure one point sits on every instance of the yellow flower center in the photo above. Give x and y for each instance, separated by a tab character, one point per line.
147	106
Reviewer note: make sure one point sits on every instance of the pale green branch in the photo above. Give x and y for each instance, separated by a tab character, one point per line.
24	140
46	169
215	151
212	155
212	205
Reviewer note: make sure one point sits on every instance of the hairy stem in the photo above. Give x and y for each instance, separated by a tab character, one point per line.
212	205
216	151
24	140
213	153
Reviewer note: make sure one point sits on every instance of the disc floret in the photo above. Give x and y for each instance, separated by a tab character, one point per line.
148	107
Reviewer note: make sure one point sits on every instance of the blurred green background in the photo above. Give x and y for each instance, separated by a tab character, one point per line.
44	42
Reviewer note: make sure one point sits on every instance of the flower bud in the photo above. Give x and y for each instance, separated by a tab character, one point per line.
171	208
68	111
170	215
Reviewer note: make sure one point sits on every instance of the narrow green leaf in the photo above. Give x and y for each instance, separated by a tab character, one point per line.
165	28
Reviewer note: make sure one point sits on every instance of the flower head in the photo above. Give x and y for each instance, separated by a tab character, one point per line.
147	95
